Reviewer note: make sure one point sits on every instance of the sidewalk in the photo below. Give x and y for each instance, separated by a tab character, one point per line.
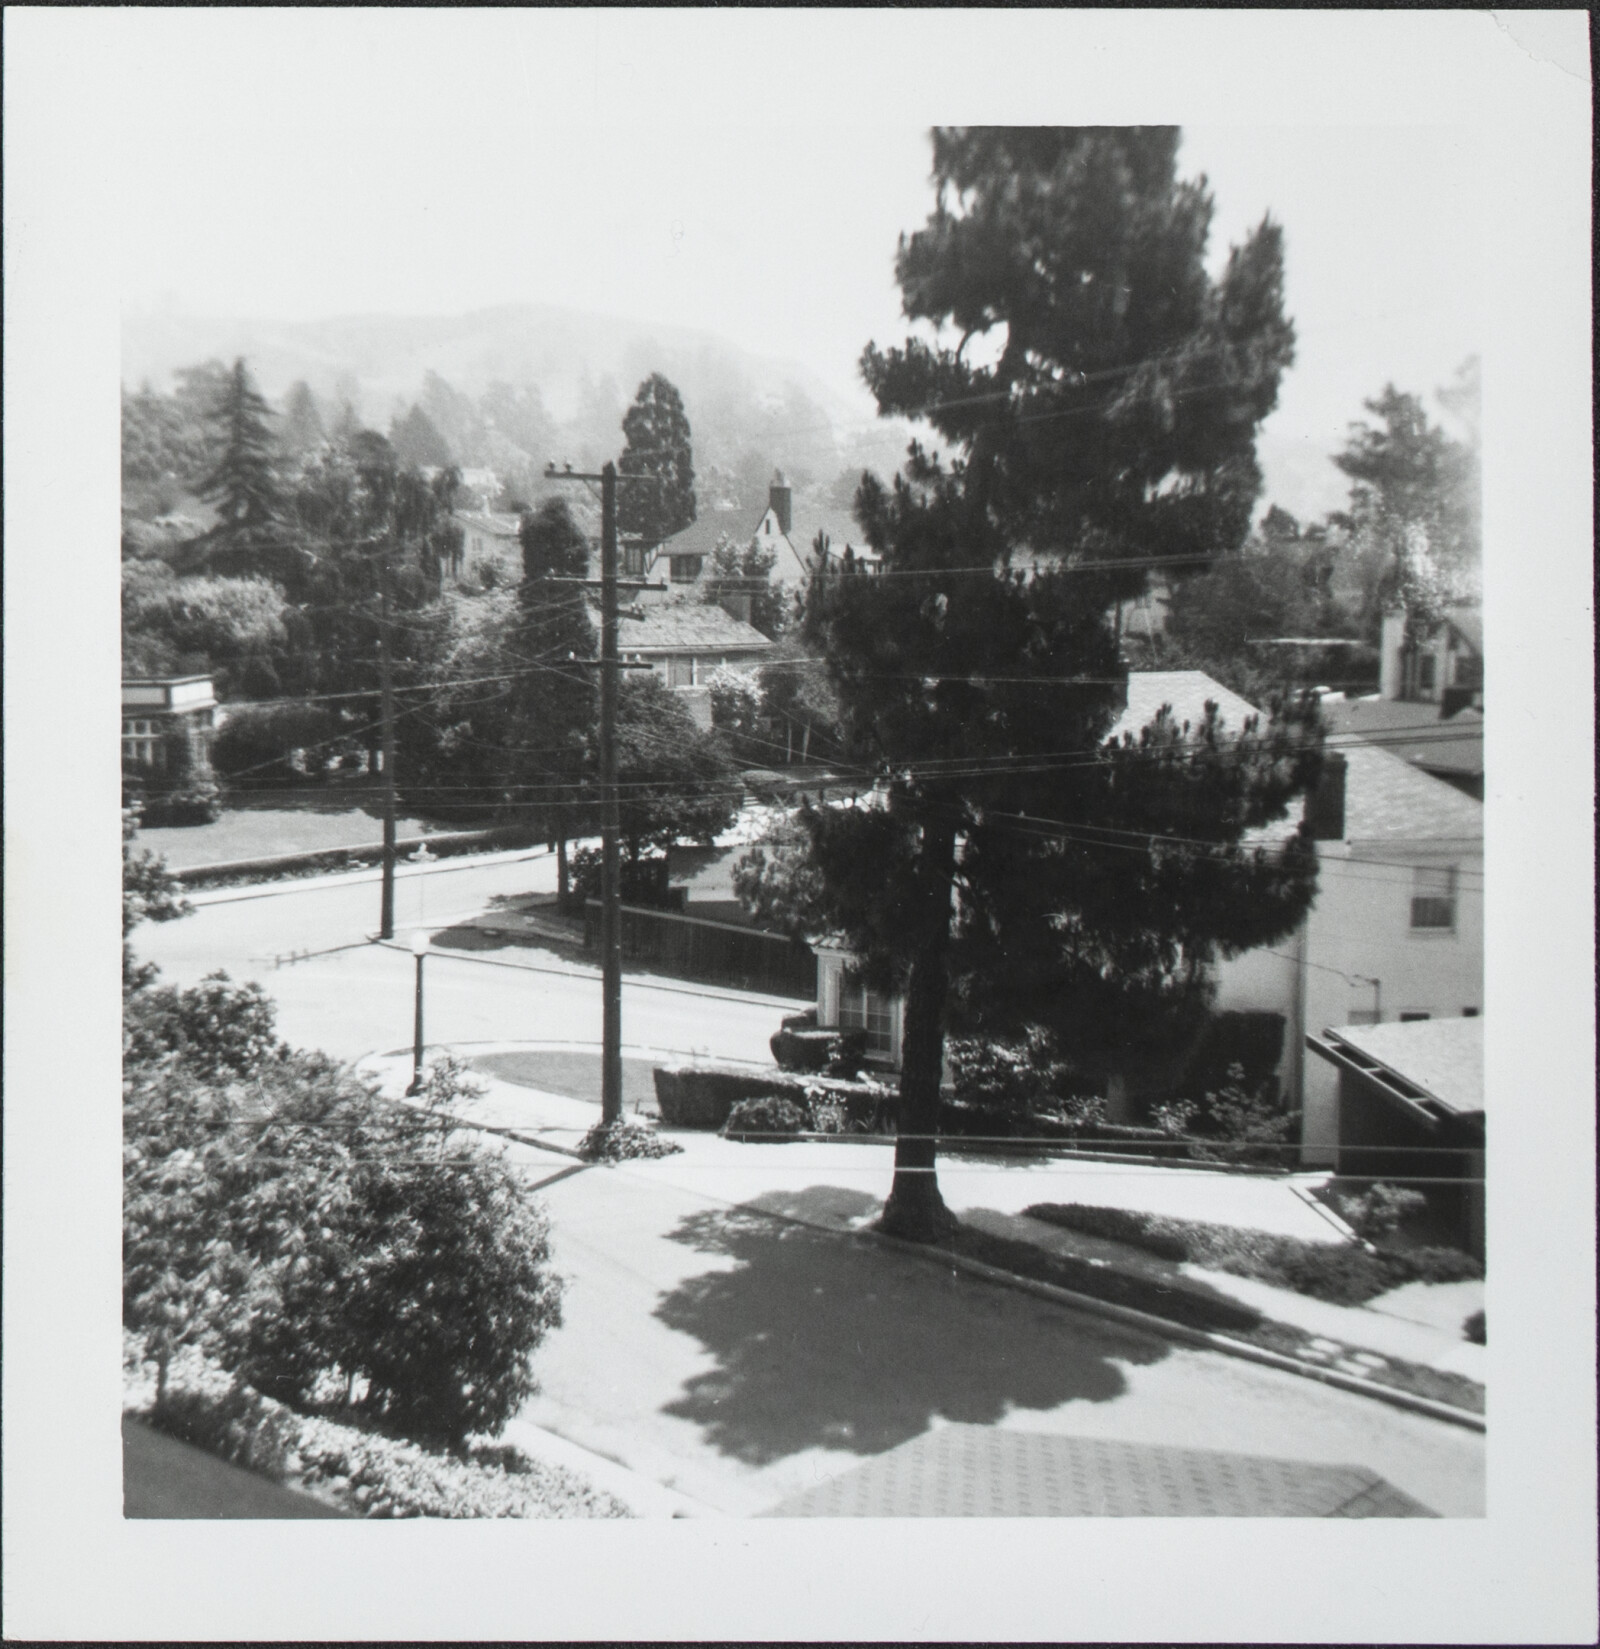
1416	1324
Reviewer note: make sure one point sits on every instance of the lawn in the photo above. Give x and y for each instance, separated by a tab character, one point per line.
573	1075
261	832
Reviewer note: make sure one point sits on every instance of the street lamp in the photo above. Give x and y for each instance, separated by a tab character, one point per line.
419	949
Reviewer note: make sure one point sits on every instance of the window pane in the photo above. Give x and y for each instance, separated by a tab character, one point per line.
1433	897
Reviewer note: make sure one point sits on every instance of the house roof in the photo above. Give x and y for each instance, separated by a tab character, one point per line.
701	535
1443	1058
1415	732
1386	798
687	627
1469	621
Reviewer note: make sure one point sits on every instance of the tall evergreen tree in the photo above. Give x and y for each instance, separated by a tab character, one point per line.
554	692
1024	870
418	442
658	444
302	431
243	485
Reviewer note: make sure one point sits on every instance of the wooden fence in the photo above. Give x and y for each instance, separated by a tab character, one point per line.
715	953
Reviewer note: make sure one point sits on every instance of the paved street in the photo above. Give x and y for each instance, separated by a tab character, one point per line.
359	1001
742	1359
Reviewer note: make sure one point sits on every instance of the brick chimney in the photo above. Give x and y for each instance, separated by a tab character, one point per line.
780	500
1325	803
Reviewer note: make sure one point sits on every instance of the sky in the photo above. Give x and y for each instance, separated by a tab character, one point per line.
325	165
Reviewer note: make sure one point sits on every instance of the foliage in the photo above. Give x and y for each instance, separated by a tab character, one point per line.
417	441
1380	1210
233	628
243	484
216	1031
1021	1074
746	571
1474	1329
307	1233
801	710
659	444
643	881
779	883
358	1469
150	893
769	1120
625	1142
1237	1123
301	429
1416	503
1341	1273
736	711
813	1049
282	743
676	782
1114	428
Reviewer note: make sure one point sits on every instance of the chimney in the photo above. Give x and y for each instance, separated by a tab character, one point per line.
1325	804
779	498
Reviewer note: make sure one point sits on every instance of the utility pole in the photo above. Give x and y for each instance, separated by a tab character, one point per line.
386	690
610	823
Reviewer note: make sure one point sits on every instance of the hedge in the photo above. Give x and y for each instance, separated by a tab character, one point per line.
704	1096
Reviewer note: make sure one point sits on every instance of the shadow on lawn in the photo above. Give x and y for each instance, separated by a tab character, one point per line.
832	1344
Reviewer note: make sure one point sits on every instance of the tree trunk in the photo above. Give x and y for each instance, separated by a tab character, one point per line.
805	744
915	1209
562	888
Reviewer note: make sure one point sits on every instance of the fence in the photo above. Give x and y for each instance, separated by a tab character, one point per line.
715	953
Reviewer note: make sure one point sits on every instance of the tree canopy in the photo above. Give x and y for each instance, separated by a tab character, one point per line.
658	440
1023	869
675	782
243	485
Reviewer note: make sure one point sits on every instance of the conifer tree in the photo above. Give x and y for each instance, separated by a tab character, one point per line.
658	444
1024	871
243	485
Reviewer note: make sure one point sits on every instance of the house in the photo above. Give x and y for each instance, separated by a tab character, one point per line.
685	642
791	535
491	549
167	722
1411	1111
1395	931
1443	665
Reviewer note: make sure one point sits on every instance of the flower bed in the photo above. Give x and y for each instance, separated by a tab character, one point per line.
1340	1273
359	1470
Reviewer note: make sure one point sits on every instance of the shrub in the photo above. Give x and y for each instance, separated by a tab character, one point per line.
285	743
644	882
1014	1075
1380	1211
703	1096
306	1233
1474	1330
771	1120
624	1141
811	1050
216	1029
1341	1273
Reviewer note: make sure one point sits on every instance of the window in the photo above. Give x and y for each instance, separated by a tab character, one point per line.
680	672
685	568
1468	670
1469	1013
1433	898
1363	1016
864	1010
1425	673
1409	1016
633	560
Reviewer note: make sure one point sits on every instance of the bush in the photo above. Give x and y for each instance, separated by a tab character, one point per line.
216	1029
1237	1124
811	1050
309	1235
270	744
1381	1210
771	1121
643	882
623	1142
1341	1273
1474	1329
703	1096
1018	1075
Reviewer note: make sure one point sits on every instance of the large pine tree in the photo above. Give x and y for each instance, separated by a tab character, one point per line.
658	443
243	485
1024	871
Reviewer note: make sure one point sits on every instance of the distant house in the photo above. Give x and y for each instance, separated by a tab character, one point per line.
685	642
791	535
1395	932
1442	666
1411	1110
491	549
166	722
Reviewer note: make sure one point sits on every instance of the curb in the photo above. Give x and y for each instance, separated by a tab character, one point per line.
264	889
644	1496
1135	1318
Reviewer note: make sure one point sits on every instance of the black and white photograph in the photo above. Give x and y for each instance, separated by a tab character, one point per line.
807	823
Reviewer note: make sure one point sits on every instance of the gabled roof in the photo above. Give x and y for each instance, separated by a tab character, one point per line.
1469	621
1415	732
701	535
687	627
1441	1058
1386	798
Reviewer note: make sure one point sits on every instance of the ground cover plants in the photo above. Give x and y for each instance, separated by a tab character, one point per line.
1340	1273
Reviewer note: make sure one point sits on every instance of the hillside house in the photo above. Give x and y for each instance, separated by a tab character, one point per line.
685	642
491	549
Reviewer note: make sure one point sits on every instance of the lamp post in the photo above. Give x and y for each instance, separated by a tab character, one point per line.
419	949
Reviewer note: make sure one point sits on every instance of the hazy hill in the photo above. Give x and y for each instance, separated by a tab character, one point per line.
586	367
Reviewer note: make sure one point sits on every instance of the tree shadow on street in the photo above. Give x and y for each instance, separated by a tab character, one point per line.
821	1342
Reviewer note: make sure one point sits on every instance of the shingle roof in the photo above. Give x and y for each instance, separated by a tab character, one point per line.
688	627
1443	1057
701	535
1389	721
1386	798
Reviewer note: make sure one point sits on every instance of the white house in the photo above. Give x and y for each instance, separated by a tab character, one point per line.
491	548
685	643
